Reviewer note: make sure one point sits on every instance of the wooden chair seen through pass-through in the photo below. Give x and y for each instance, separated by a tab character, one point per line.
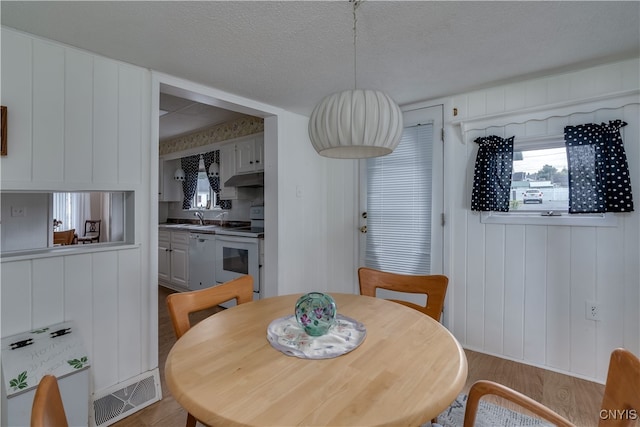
91	231
47	409
433	286
182	304
620	404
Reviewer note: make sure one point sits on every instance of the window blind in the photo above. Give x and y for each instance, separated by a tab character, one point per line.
399	191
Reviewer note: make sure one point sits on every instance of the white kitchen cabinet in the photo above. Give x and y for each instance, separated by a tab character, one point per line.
169	190
164	258
173	259
229	168
180	258
249	155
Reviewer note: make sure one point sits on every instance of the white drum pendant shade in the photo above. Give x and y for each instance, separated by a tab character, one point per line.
355	124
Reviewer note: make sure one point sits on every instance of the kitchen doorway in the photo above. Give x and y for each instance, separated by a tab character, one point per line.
232	104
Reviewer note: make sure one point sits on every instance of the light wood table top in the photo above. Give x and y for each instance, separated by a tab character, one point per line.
225	372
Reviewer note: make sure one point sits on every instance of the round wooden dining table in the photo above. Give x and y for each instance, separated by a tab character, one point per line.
407	370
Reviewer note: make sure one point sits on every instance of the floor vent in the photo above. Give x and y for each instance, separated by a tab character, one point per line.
117	403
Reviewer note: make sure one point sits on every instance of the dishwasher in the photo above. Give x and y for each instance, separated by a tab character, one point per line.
202	254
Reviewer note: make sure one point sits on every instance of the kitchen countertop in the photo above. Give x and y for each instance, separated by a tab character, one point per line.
191	228
208	229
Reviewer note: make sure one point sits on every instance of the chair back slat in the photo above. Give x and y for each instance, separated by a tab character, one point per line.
433	286
181	304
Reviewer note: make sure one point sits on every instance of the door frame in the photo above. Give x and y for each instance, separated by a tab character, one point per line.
176	86
412	116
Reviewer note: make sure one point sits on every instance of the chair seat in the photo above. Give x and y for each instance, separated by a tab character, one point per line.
90	237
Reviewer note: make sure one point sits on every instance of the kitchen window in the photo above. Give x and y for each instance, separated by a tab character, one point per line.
204	197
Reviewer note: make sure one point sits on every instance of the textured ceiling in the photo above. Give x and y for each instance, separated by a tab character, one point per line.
291	54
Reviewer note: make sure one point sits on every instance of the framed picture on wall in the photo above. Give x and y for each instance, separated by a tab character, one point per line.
3	131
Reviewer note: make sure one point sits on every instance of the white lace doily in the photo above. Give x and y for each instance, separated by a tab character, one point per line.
287	336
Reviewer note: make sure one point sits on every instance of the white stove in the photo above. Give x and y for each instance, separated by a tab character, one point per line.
239	251
256	229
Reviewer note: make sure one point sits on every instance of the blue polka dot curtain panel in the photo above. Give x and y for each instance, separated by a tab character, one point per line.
190	165
492	174
598	170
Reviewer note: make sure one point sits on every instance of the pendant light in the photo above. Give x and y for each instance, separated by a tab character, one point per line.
179	175
214	170
355	124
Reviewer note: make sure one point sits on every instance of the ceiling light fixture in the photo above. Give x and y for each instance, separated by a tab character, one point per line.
214	170
179	175
355	124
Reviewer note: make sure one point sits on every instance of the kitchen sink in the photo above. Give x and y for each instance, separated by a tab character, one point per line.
204	227
192	227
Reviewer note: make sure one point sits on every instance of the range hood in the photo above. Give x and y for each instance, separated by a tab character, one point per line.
246	180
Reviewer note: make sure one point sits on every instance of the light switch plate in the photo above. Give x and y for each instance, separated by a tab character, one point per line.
18	211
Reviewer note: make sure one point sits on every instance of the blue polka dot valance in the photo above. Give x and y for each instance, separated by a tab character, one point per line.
598	170
492	174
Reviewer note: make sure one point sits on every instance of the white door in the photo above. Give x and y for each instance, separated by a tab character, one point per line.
402	196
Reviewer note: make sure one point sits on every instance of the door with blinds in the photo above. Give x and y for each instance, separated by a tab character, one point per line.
401	200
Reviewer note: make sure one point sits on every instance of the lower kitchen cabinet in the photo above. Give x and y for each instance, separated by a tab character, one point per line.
173	259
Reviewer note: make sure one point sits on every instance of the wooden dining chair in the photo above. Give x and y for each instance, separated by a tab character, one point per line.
91	231
47	409
433	286
620	404
182	304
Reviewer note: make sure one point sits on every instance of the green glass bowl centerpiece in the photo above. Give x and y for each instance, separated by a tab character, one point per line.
316	313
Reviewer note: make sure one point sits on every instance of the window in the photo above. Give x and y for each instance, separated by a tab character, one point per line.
204	197
598	182
540	181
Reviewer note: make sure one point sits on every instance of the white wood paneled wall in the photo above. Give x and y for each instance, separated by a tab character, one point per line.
80	122
519	291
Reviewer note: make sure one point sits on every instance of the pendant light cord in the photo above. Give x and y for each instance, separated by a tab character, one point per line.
355	3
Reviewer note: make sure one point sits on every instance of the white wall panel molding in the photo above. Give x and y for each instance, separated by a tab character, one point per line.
549	111
17	95
75	119
78	117
520	289
48	112
80	122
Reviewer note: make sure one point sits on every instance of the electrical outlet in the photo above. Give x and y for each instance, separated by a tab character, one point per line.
592	310
18	211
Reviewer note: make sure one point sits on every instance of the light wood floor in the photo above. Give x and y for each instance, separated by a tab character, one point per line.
576	399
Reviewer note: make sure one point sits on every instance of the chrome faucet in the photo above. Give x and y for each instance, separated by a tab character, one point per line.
224	216
200	217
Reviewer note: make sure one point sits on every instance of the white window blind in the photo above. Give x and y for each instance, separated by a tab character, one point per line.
399	194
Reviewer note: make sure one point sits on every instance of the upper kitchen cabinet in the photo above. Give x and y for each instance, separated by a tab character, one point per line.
241	157
250	154
169	190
